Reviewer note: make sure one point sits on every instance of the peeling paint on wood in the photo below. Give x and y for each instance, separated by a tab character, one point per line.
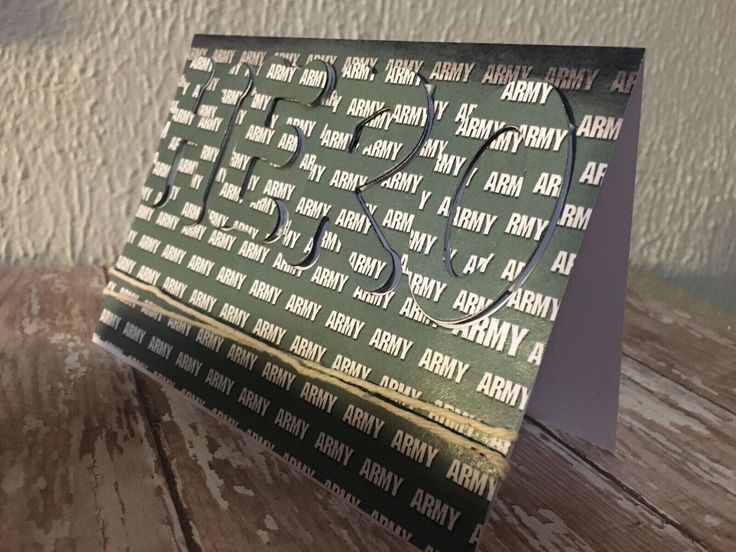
678	452
94	457
546	504
77	470
280	509
681	348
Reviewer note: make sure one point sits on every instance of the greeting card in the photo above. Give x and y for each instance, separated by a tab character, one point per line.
374	258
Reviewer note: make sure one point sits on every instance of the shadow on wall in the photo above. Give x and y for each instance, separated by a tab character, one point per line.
102	73
24	21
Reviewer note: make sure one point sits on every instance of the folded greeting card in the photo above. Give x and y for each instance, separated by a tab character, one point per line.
366	254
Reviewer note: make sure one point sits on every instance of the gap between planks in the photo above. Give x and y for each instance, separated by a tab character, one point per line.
620	484
166	467
578	453
665	375
77	466
163	458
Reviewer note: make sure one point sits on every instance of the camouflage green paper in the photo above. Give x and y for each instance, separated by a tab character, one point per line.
301	194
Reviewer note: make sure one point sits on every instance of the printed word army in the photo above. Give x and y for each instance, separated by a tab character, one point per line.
516	86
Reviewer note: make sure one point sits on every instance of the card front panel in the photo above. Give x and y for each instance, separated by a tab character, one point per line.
403	215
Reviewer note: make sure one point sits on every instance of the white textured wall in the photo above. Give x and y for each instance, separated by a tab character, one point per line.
86	84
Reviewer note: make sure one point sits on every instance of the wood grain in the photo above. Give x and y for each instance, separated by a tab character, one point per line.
231	488
682	348
95	457
239	496
555	501
677	451
77	466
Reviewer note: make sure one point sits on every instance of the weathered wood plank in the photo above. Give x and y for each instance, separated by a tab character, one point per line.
96	485
238	496
682	348
77	466
553	501
677	451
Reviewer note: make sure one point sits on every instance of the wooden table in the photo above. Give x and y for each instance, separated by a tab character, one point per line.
95	456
